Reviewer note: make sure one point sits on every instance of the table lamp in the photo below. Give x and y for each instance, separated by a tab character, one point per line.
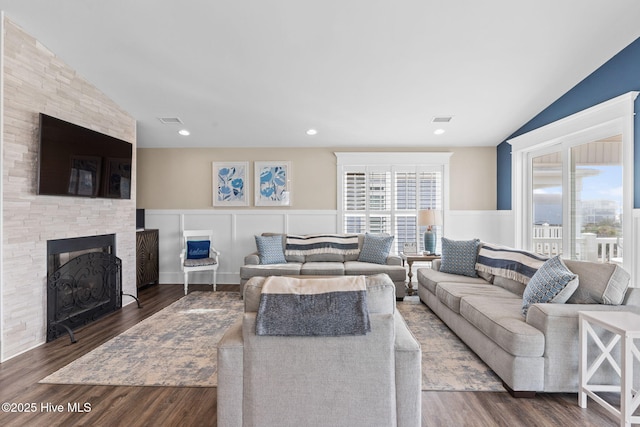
430	218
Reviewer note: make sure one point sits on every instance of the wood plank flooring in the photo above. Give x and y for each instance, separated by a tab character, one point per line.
190	406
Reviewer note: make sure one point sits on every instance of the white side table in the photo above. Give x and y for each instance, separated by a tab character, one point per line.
626	327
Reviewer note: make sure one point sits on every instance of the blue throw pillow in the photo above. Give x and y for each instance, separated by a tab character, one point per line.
375	248
553	282
459	256
270	249
198	249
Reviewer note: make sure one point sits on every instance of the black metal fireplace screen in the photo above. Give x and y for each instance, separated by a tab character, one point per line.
84	282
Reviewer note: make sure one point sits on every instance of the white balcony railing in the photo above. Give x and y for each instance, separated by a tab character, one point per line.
547	240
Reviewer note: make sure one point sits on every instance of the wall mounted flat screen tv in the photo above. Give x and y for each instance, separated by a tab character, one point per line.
80	162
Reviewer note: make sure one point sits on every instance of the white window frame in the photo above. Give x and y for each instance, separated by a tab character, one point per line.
393	162
611	117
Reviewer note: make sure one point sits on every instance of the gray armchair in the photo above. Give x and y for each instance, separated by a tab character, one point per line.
366	380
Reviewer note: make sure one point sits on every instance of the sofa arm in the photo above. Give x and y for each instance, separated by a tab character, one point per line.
394	260
408	356
252	259
230	376
557	318
559	324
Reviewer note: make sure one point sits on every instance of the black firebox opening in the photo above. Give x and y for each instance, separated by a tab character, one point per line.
84	282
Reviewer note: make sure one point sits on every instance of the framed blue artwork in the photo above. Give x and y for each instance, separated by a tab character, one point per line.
230	183
273	183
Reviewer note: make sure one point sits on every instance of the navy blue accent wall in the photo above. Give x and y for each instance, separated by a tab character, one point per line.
504	176
619	75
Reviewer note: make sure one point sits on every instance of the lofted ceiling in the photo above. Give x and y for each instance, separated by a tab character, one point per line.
363	73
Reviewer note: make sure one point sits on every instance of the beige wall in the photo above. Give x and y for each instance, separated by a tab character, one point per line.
34	81
181	178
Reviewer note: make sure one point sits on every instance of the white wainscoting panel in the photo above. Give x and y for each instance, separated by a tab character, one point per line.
488	226
234	232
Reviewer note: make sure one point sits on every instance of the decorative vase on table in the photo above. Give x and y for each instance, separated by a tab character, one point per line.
430	240
430	218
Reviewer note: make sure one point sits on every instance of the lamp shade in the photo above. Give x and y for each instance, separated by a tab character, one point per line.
429	217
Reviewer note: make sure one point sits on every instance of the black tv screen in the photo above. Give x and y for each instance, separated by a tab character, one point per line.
80	162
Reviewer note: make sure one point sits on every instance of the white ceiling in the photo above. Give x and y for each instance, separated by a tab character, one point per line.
259	73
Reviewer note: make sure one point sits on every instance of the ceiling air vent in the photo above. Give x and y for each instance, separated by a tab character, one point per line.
170	120
443	119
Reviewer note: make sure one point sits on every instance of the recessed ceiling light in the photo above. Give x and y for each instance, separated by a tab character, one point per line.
312	132
438	131
184	132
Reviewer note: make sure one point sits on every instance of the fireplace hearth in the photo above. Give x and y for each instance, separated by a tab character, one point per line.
84	282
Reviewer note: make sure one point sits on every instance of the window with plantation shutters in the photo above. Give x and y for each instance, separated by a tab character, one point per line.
383	192
355	202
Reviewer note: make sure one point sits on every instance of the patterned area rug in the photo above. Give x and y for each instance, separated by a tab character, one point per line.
177	347
447	363
174	347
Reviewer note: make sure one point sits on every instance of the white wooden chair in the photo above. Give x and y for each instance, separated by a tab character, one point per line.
201	261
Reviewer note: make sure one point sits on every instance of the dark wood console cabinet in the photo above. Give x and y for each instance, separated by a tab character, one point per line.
146	257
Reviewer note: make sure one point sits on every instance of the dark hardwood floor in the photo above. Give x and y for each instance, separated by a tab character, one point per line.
186	406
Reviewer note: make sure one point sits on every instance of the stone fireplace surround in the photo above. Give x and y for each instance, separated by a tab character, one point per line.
35	81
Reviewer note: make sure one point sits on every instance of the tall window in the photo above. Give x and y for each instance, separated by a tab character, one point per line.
573	185
383	192
576	192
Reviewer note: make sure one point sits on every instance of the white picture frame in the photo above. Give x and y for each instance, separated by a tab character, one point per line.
272	183
230	183
410	248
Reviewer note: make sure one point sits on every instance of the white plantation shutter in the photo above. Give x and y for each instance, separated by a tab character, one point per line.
355	197
406	185
355	202
430	198
379	200
386	199
430	190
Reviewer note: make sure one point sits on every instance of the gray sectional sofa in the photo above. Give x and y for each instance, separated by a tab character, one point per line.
324	264
536	353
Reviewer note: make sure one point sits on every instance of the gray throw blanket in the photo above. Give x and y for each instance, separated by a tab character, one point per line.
313	307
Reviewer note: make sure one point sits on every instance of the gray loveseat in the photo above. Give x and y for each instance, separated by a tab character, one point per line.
362	380
324	264
536	353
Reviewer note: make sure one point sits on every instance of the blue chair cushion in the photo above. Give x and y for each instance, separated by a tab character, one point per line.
197	249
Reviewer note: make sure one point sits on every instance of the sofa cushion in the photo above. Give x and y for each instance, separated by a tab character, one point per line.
251	270
450	294
599	283
397	273
553	282
501	320
511	285
324	258
270	249
322	268
429	278
459	256
375	248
